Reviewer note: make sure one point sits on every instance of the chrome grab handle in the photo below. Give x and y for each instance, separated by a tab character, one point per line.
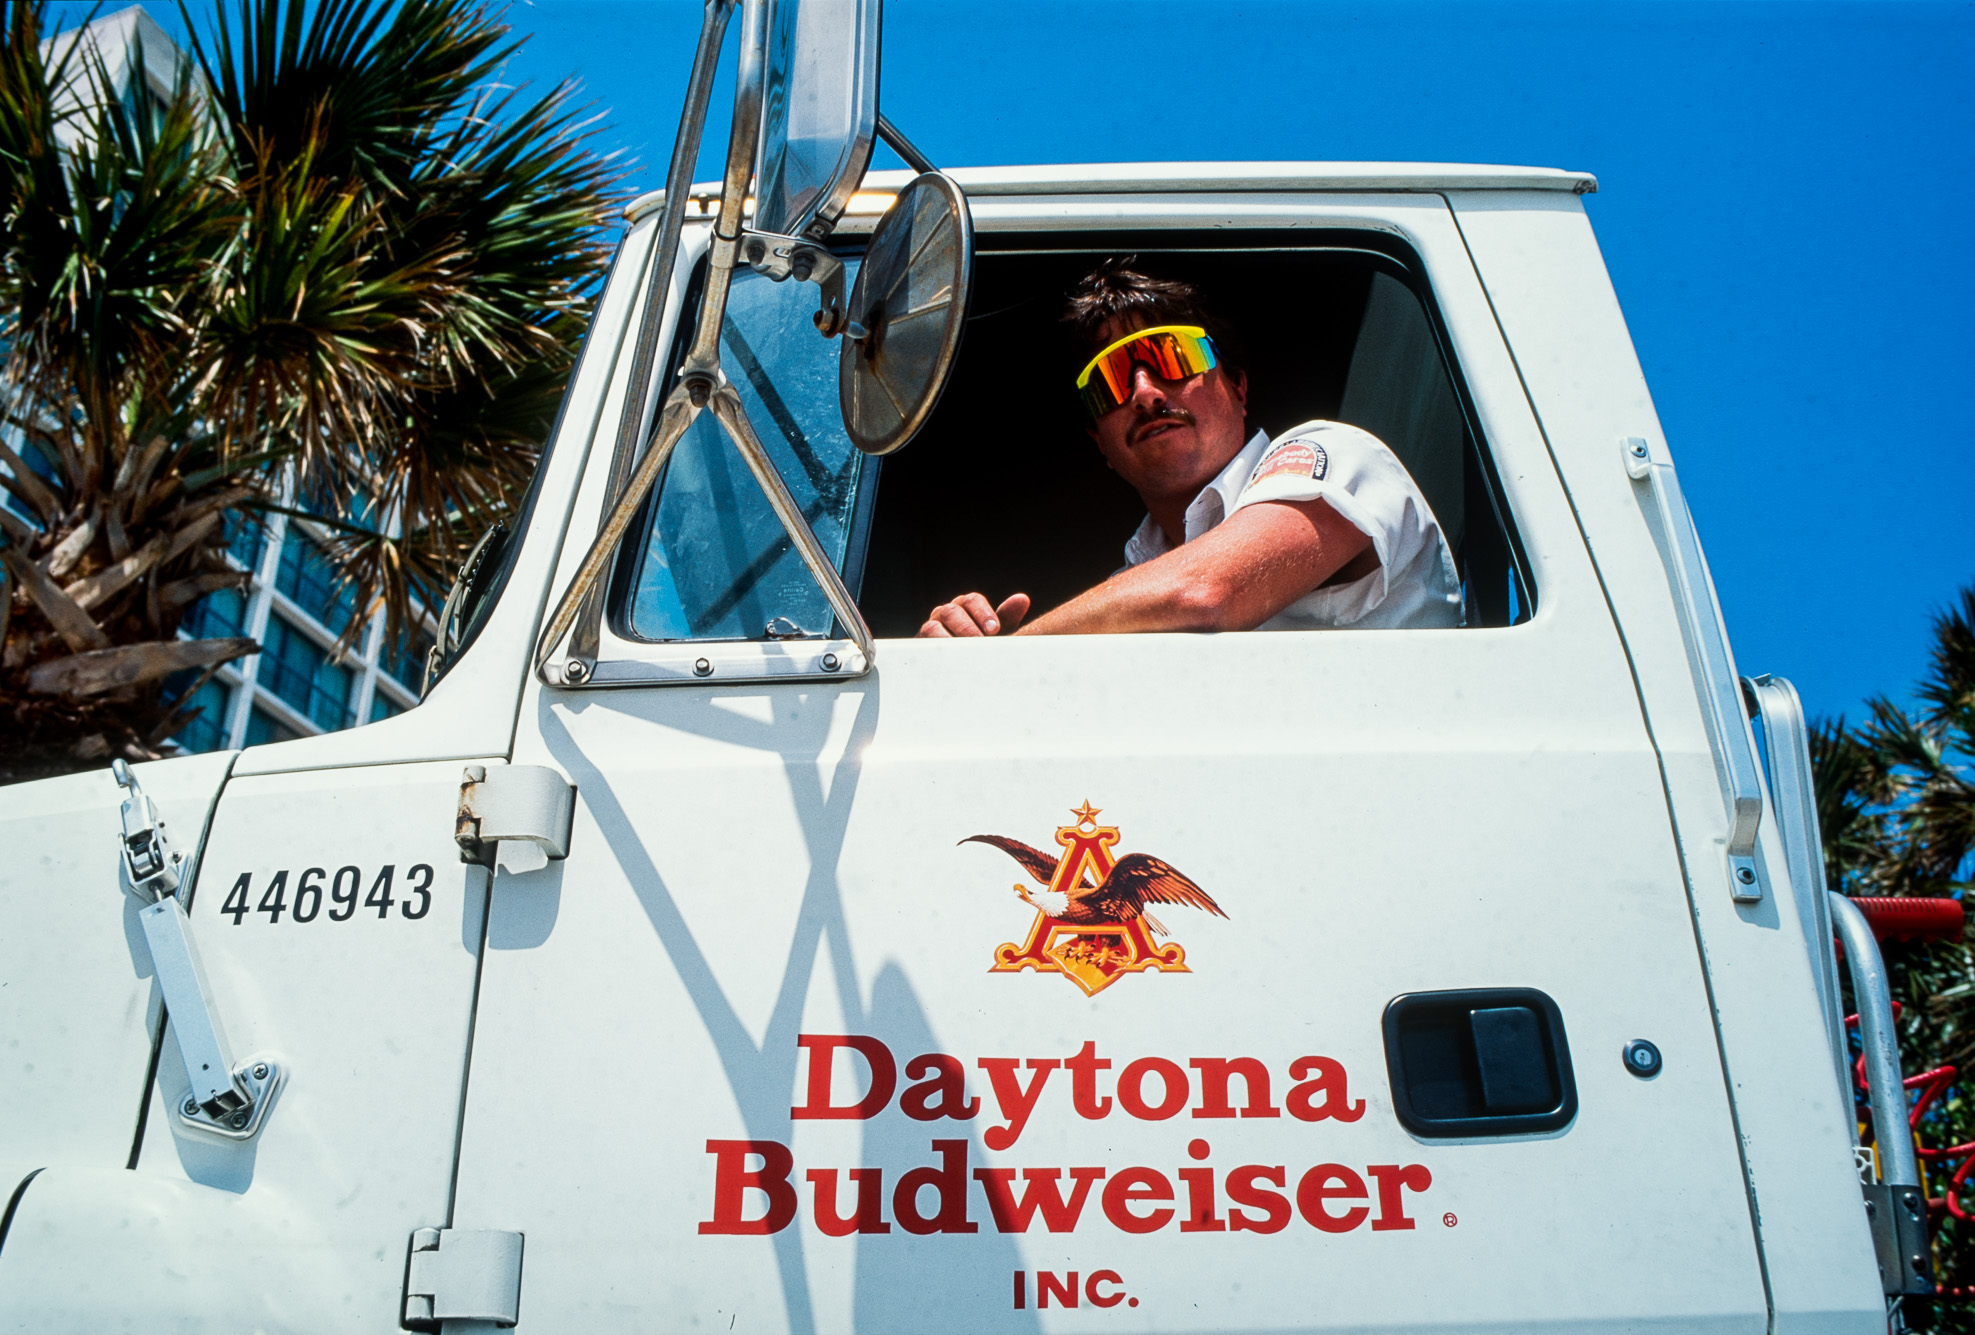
1707	644
1897	1165
1793	793
227	1098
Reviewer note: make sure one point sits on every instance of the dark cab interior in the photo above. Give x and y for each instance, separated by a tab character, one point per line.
1003	490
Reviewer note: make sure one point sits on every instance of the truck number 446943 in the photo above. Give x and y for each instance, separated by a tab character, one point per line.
315	886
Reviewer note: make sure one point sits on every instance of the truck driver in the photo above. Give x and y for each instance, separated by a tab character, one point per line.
1320	528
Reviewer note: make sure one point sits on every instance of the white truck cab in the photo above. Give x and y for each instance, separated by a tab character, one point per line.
650	975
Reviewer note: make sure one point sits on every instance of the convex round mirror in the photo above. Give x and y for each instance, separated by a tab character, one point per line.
906	313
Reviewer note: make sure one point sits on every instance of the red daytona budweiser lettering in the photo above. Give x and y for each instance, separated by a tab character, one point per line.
1329	1196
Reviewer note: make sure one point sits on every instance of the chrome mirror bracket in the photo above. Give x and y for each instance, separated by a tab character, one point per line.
781	257
904	147
702	384
584	592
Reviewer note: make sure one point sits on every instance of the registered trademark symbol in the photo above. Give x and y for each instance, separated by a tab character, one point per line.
1448	1219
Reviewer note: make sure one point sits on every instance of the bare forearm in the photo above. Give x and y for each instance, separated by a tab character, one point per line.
1140	599
1233	578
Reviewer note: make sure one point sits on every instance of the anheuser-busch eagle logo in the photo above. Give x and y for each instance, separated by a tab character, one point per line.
1091	922
755	1181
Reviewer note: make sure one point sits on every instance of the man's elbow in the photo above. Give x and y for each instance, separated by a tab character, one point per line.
1209	603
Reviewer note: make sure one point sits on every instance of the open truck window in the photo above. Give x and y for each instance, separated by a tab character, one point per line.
1003	489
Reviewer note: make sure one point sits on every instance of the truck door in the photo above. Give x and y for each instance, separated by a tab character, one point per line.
784	1042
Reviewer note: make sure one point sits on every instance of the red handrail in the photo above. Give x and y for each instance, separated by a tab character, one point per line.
1913	918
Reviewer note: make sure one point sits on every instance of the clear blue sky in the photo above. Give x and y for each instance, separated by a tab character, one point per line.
1785	208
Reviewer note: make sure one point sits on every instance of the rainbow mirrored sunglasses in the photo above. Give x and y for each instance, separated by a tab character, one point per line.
1169	351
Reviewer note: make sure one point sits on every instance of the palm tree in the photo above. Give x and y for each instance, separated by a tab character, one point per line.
1896	802
336	266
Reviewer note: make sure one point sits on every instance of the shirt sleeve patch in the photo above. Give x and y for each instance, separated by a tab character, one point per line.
1303	458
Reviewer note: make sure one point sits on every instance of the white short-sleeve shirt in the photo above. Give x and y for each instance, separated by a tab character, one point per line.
1361	479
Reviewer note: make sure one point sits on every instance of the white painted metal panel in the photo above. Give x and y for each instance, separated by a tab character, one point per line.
93	1250
77	1011
367	1006
1378	812
1138	178
1310	178
1547	284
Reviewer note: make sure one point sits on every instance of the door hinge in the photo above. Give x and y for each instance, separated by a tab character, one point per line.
226	1098
462	1275
532	803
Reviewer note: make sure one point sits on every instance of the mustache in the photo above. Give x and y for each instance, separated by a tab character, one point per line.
1167	413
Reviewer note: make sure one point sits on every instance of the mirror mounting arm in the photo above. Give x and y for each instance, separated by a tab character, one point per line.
703	386
702	369
904	147
782	257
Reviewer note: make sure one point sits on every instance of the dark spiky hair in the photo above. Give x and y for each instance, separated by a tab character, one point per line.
1119	291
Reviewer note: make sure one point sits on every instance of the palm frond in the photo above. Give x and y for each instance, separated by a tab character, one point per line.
338	262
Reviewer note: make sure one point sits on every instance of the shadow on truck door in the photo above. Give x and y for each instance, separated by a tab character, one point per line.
811	750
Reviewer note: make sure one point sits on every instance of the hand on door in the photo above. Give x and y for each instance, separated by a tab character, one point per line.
972	614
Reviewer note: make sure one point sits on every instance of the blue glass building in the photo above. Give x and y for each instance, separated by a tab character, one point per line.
297	685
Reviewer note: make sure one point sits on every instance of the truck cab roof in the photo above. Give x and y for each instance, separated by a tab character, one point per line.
1119	178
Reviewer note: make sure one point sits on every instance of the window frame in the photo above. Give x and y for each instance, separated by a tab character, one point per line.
624	660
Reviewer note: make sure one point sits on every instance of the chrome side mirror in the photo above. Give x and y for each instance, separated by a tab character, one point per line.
819	118
805	118
819	112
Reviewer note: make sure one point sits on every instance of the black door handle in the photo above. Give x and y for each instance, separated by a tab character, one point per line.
1479	1062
